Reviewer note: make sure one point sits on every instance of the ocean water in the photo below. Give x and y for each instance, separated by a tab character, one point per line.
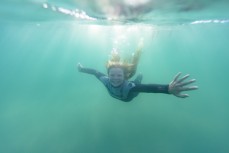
47	106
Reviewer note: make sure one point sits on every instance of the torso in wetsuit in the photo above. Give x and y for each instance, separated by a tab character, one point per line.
129	89
122	92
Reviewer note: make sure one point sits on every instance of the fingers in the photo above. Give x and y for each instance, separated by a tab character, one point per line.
178	93
180	83
189	88
188	82
182	95
183	78
176	77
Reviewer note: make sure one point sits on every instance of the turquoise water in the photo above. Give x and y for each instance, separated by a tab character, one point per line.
47	106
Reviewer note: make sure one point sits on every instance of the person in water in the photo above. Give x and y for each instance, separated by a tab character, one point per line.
119	72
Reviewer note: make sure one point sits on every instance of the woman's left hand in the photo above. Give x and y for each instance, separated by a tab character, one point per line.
178	85
79	66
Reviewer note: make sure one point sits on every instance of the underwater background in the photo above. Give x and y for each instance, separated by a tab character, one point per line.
47	106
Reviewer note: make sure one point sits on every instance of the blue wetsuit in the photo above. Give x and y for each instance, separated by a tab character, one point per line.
129	89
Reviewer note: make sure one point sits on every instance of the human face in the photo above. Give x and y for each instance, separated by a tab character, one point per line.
116	76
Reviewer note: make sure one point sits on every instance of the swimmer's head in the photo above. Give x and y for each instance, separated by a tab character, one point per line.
126	66
116	76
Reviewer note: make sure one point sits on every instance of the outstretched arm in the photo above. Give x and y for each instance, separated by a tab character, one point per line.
175	87
178	85
151	88
89	71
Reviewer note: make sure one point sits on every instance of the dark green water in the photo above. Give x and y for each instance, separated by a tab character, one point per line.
47	106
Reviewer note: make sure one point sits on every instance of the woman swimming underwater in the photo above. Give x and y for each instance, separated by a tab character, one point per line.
119	72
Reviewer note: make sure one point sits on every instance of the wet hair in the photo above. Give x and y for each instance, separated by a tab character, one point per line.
129	66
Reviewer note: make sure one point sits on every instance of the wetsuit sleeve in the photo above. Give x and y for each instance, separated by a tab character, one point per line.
93	72
151	88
